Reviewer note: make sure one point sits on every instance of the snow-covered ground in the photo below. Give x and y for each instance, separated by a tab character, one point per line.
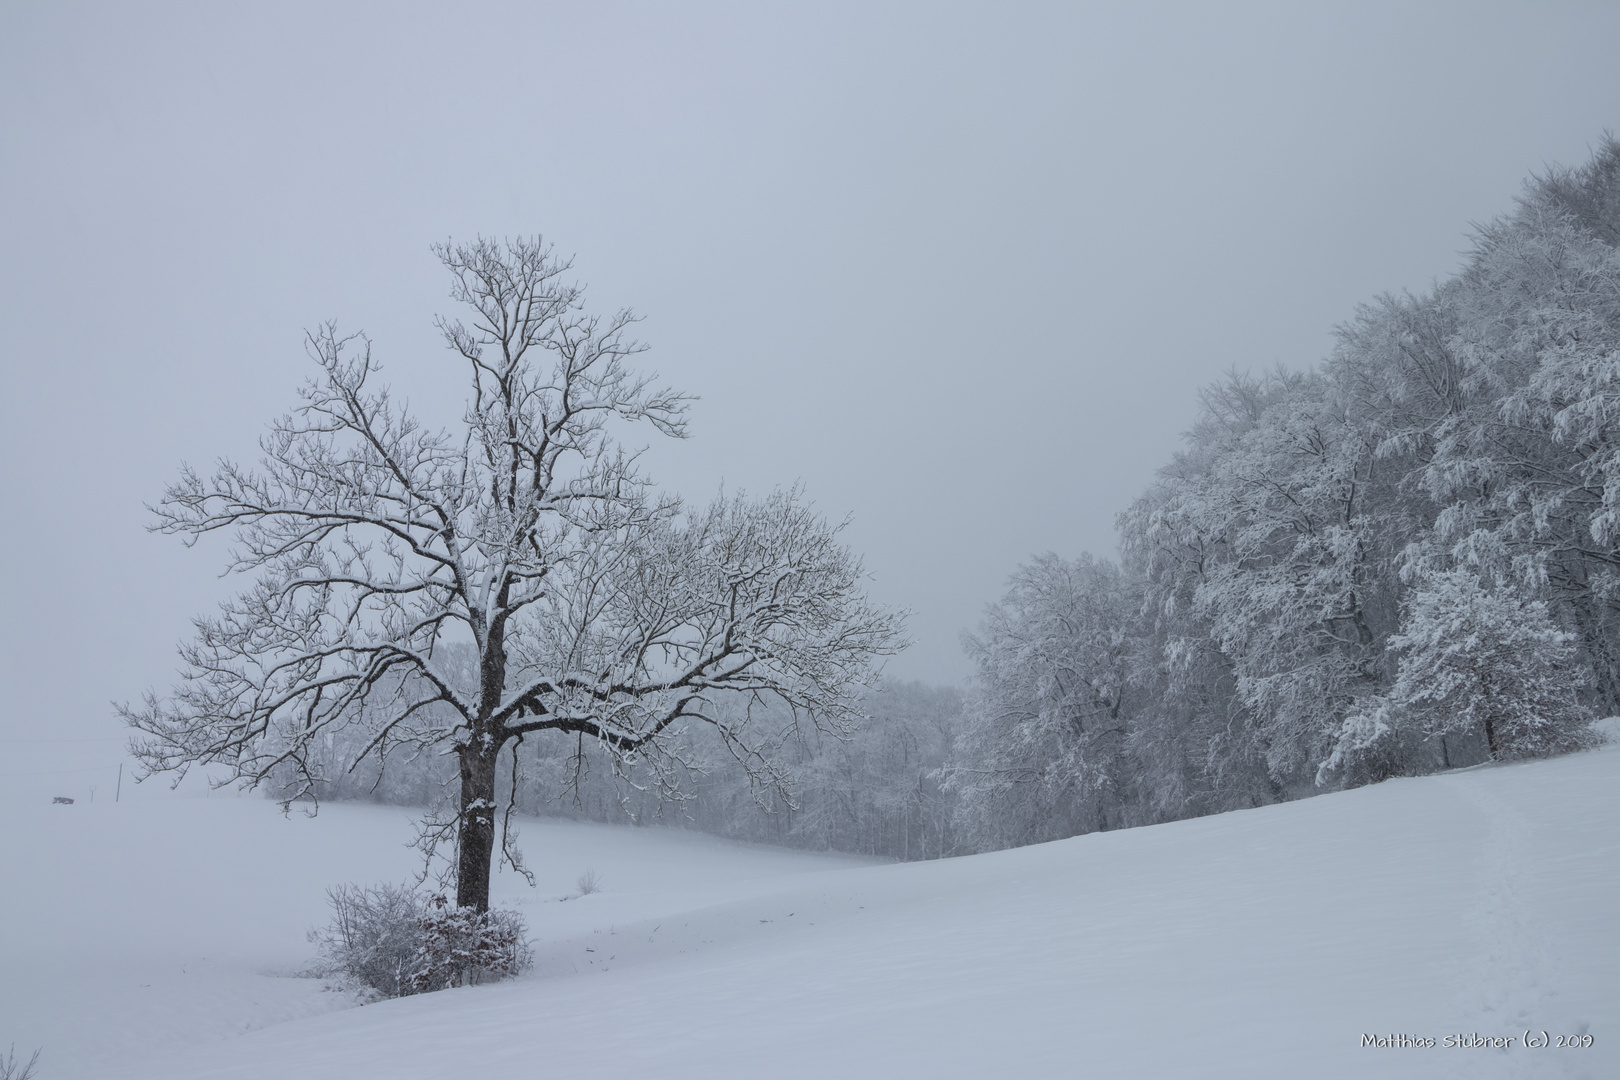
161	939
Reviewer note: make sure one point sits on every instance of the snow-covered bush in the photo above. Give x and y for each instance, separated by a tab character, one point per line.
461	946
390	940
1378	740
373	937
1361	744
1489	661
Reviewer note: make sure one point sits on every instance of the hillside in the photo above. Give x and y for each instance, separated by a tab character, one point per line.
148	937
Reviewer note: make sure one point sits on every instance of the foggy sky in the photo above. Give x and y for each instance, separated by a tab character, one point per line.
958	270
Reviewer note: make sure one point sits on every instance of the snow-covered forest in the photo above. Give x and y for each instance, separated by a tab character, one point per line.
1398	561
1403	559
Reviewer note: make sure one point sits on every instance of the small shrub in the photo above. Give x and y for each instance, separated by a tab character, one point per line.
588	883
373	938
464	947
390	941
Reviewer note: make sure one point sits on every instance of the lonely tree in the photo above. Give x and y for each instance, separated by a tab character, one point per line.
380	552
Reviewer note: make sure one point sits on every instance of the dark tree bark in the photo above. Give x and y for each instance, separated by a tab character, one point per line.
476	846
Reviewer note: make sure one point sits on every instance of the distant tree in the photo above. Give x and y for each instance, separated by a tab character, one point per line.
1041	750
1492	662
593	607
880	791
877	791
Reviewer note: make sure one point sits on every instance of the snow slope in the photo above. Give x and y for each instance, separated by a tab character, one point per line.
1254	944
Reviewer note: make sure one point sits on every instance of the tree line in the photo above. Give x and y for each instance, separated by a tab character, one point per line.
1402	560
878	790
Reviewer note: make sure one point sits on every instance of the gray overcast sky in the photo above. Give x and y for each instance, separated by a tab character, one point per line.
959	269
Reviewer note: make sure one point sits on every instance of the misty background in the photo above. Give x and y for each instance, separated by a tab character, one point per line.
958	270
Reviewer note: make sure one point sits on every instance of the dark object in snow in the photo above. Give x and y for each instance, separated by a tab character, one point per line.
63	799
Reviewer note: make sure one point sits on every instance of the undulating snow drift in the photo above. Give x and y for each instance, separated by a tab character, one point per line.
150	940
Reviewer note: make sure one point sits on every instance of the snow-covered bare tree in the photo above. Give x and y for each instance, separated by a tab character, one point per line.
1489	661
1267	537
592	605
1191	737
1521	461
1306	591
1041	750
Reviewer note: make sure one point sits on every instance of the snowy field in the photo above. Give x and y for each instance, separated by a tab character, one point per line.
162	939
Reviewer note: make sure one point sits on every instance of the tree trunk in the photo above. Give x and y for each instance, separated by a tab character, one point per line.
476	838
1490	717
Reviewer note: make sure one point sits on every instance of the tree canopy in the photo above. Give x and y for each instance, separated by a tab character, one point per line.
591	604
